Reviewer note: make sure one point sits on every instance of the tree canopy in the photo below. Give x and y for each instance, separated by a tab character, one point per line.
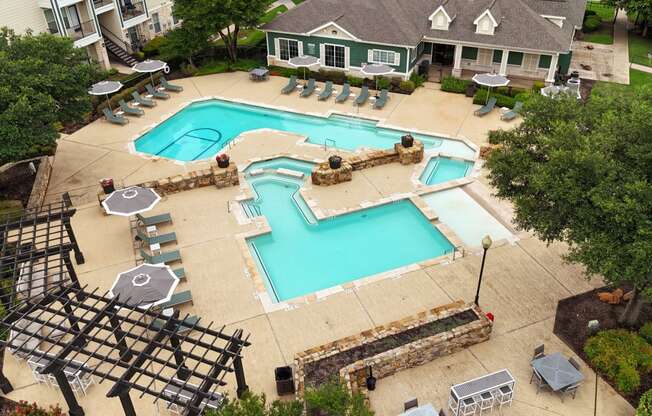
43	80
582	174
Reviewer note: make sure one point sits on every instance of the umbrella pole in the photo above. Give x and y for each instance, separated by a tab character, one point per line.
151	78
108	102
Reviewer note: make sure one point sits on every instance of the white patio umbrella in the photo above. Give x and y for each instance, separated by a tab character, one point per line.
146	285
377	70
491	81
105	88
130	201
151	66
305	61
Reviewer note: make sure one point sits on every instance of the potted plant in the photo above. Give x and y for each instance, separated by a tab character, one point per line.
335	162
407	140
222	160
107	185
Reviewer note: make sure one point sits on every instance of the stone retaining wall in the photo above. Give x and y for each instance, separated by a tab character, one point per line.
406	356
19	181
325	176
220	177
41	182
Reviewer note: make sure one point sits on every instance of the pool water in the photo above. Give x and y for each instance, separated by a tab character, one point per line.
202	129
303	255
443	169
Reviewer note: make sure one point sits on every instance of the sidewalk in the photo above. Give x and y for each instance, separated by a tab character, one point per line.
621	49
643	68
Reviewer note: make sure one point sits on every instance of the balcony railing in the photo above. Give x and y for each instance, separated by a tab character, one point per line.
131	9
82	30
102	3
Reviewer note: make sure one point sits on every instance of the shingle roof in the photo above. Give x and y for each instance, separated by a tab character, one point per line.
405	22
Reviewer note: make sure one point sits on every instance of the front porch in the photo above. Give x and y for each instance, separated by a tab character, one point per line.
437	72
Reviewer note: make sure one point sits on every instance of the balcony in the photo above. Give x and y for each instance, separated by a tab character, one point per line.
102	3
82	30
132	9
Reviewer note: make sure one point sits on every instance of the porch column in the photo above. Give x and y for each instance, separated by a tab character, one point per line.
457	63
503	62
553	69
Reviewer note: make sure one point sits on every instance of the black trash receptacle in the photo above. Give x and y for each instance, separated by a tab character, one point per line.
284	380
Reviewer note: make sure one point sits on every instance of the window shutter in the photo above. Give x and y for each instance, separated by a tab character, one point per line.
322	54
397	58
370	55
347	59
300	48
277	48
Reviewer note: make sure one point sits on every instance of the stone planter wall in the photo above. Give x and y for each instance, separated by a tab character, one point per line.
41	182
325	176
406	356
220	177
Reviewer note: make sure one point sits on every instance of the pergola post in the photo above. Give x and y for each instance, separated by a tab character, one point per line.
125	354
5	384
182	371
74	409
240	377
79	256
127	404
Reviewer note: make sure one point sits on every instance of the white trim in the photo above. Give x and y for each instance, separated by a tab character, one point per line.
317	29
486	12
357	40
489	46
549	16
277	46
437	11
397	57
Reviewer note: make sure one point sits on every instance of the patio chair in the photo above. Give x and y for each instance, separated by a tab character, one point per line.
381	100
485	401
345	94
155	93
140	100
291	86
363	97
410	404
538	352
468	407
575	364
487	108
180	272
177	299
114	118
513	113
328	91
159	239
170	87
169	257
154	220
540	382
130	111
503	396
569	391
180	329
308	89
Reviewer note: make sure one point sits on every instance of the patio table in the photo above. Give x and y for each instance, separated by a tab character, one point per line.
557	371
185	395
424	410
477	386
74	368
258	74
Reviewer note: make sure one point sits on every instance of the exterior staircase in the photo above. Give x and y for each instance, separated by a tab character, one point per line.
119	52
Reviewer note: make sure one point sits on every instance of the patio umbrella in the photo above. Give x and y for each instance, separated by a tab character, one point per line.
377	70
146	285
305	61
105	88
130	201
151	66
490	80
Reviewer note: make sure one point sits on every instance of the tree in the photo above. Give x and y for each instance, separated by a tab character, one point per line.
43	80
183	43
640	8
582	174
225	17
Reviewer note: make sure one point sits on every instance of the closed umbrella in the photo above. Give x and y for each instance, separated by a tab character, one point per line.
130	201
105	88
305	61
150	66
491	81
146	285
377	70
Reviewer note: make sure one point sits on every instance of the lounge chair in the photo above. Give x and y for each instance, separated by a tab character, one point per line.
308	89
381	100
155	93
140	100
169	257
513	113
180	273
130	110
114	118
292	85
170	87
154	220
363	97
345	94
177	299
328	91
159	239
187	324
487	108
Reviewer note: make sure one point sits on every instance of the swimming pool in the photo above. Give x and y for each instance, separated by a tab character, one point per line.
202	129
443	169
303	255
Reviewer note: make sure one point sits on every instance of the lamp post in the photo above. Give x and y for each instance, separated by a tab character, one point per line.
486	243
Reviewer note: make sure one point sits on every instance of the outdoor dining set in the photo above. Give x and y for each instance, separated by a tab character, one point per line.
482	394
556	373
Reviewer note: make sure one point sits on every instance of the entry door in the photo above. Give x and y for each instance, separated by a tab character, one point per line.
485	57
443	54
530	62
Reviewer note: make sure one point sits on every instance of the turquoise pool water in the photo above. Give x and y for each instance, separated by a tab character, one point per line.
302	255
443	169
202	129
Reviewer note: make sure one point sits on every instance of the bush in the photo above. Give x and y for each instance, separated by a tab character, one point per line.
588	13
153	47
282	71
417	79
645	404
332	398
646	332
627	380
383	83
26	409
407	86
455	85
256	405
355	81
537	86
591	24
480	98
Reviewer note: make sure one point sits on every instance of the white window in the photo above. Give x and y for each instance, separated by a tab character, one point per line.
288	48
384	57
334	56
156	22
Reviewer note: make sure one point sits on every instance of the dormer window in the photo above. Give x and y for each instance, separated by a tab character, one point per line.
485	24
440	20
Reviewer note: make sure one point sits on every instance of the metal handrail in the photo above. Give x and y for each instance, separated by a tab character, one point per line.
113	37
82	30
326	141
458	249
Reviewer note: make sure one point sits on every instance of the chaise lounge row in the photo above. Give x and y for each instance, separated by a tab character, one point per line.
328	91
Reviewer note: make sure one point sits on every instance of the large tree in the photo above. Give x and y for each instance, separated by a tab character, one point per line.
223	17
582	174
43	80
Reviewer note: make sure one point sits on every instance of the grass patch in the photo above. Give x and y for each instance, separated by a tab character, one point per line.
605	11
220	66
271	14
297	2
246	37
639	47
636	79
604	36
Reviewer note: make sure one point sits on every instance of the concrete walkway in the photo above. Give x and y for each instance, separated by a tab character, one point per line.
621	49
643	68
287	3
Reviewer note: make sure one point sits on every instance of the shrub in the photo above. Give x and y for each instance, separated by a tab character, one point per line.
256	405
455	85
537	86
33	409
417	79
332	398
383	83
407	86
355	81
153	47
282	71
588	13
645	404
627	380
591	24
139	55
480	98
646	332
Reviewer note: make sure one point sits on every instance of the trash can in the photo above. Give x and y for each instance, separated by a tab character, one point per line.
284	380
107	185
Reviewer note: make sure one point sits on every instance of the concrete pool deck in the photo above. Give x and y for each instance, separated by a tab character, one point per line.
523	280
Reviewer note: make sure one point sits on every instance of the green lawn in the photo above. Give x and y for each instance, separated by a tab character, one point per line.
603	35
271	15
246	37
605	12
636	79
639	47
297	1
219	66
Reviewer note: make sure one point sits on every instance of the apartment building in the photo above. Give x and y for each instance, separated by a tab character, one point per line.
108	29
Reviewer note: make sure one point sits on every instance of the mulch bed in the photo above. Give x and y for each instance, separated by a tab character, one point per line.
321	371
573	316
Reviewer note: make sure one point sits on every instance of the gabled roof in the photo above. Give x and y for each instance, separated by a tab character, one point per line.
406	22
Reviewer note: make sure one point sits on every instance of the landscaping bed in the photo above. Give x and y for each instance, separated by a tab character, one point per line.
571	320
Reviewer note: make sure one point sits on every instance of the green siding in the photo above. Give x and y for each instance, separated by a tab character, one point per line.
427	48
498	56
545	61
469	53
515	58
564	62
358	51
